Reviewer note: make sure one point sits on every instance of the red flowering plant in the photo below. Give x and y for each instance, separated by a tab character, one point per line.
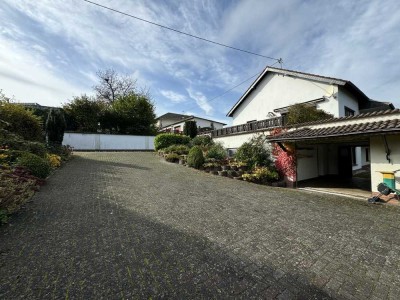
285	161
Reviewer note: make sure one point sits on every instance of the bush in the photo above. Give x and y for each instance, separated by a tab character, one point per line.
195	158
16	187
302	113
165	140
178	149
172	157
254	153
54	160
262	175
202	140
16	142
35	148
21	121
217	151
64	151
38	166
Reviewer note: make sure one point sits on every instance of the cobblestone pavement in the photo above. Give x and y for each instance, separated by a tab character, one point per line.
127	226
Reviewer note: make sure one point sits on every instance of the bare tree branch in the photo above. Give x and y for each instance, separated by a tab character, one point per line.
113	85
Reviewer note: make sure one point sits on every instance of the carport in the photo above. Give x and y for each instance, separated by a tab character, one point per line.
323	151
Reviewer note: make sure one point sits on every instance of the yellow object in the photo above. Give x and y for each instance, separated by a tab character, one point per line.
54	160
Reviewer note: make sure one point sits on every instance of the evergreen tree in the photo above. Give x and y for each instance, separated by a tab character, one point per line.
55	126
190	129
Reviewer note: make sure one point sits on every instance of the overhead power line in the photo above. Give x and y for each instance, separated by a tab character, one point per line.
232	88
181	32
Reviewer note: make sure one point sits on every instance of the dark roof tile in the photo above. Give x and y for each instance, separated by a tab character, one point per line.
335	131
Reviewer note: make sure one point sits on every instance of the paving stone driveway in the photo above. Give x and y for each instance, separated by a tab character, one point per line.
127	225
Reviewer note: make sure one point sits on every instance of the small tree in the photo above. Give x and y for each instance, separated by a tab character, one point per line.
134	114
55	126
302	113
84	113
190	129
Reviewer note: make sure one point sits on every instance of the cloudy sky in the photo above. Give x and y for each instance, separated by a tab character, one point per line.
50	50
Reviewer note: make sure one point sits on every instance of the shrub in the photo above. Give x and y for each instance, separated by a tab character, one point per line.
165	140
16	187
172	157
254	153
54	160
178	149
195	158
202	140
262	175
35	148
55	126
64	151
217	151
38	166
21	121
302	113
16	142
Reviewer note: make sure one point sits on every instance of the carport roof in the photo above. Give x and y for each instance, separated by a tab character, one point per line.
378	127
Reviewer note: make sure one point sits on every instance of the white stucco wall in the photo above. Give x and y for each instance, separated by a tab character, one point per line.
347	99
82	141
234	141
358	164
165	122
277	90
379	162
307	163
206	123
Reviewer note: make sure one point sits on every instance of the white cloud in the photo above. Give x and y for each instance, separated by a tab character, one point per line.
201	101
173	96
69	41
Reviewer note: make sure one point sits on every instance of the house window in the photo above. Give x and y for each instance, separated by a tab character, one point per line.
367	154
348	112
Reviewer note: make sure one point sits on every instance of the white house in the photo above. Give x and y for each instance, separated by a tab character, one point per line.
171	122
322	147
275	90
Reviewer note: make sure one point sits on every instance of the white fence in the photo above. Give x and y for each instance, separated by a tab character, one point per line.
105	142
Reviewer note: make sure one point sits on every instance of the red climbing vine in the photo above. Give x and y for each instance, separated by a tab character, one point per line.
285	161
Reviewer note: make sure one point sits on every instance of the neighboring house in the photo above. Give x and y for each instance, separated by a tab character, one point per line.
36	106
270	96
171	122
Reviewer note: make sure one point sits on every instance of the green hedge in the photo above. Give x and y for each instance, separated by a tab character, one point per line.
165	140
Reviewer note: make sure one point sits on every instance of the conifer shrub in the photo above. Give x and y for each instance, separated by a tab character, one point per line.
195	158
